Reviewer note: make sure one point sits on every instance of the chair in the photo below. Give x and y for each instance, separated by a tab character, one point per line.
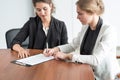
10	34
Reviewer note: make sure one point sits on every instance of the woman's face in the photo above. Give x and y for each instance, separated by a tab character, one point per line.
84	17
43	10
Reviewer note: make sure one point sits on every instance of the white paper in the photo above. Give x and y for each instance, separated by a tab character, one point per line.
35	59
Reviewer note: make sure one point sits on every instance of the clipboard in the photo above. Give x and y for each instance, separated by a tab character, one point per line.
32	60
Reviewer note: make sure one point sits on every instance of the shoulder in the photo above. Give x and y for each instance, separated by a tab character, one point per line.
36	18
33	21
57	21
108	30
107	26
58	24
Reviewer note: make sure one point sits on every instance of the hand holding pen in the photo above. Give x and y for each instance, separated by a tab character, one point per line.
47	51
50	52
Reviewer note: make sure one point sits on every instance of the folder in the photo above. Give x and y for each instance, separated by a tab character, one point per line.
32	60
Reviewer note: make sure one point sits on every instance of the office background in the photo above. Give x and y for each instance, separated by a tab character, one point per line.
14	13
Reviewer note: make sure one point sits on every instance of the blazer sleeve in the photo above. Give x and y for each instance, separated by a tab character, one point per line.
67	48
75	44
22	35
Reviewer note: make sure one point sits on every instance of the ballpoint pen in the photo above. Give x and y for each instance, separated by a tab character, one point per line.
47	47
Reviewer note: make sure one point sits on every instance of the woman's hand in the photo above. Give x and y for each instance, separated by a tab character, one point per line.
63	56
50	52
22	53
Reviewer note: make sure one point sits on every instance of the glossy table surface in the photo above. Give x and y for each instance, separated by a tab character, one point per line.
50	70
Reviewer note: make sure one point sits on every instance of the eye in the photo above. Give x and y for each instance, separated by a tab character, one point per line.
38	10
45	9
80	13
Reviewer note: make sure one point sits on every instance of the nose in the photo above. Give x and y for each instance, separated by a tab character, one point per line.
42	12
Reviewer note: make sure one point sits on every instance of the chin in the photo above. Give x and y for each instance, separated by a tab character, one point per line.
83	23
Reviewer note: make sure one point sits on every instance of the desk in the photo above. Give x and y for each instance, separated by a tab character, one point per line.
50	70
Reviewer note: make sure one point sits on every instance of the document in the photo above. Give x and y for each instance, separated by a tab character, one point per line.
33	60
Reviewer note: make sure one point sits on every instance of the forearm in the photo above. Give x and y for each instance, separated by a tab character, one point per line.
67	48
56	49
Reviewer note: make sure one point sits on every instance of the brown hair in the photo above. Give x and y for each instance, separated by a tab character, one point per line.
45	1
91	6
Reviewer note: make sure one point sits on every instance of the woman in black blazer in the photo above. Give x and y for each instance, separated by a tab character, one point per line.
42	29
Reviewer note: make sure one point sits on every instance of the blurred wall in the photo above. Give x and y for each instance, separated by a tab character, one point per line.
13	14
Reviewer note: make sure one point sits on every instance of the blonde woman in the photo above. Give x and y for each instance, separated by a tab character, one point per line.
95	44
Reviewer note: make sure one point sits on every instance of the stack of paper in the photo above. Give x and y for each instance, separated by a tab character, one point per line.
33	60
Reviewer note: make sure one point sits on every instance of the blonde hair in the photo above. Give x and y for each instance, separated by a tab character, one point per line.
91	6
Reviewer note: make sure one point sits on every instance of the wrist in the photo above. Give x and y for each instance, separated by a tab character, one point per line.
17	48
56	49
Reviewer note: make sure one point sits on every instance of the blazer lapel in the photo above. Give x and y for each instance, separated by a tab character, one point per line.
83	31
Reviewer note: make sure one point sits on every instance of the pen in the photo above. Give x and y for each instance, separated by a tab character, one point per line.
47	47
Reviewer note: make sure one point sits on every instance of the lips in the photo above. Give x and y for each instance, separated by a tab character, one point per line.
43	15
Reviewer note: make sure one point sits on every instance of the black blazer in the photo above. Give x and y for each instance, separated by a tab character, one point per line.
57	34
